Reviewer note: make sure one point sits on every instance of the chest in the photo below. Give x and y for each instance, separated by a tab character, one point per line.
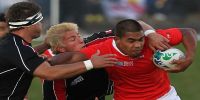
142	65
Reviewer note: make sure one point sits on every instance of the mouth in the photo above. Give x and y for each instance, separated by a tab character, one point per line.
137	51
83	46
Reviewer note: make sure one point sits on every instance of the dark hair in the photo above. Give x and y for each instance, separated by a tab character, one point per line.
2	17
127	25
21	10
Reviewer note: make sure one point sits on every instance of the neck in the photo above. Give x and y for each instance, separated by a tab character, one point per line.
23	34
116	46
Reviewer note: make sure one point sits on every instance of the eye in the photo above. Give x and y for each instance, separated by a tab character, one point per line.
130	40
141	39
72	38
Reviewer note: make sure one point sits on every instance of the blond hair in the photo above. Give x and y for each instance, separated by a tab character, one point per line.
56	33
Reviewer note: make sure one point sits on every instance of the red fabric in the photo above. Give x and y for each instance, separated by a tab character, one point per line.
59	85
136	78
60	89
173	34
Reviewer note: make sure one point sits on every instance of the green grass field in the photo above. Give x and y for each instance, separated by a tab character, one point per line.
187	83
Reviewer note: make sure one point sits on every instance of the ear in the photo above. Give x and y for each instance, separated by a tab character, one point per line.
117	39
60	49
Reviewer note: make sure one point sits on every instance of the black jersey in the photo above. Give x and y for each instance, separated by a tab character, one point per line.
87	86
18	61
94	83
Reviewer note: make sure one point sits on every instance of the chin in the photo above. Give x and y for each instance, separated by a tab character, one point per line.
135	55
34	37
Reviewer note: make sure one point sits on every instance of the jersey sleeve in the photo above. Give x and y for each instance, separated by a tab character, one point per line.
96	38
173	34
24	57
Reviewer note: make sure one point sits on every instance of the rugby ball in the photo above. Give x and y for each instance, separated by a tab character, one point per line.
163	59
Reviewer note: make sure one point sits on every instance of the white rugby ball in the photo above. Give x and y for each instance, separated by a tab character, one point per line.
163	59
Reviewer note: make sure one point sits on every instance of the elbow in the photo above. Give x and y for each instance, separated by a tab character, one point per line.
191	31
50	77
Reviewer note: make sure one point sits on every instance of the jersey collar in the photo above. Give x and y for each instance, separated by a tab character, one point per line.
115	46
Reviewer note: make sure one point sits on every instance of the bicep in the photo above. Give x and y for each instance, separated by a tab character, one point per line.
41	70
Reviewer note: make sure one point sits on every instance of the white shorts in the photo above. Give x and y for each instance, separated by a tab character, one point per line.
171	95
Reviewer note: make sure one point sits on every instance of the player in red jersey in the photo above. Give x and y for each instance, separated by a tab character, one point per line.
135	76
59	37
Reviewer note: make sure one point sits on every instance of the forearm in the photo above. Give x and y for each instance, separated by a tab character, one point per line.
66	58
47	72
189	42
145	26
41	48
67	70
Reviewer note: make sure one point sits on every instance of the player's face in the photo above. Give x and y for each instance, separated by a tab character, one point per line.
72	41
131	43
35	30
3	28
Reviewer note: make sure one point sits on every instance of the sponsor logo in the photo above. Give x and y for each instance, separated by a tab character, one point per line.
77	80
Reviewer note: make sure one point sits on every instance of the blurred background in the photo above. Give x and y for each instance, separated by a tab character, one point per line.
100	15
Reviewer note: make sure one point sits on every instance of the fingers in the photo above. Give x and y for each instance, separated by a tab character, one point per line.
177	61
97	53
108	55
165	39
166	44
160	46
171	70
110	63
152	48
111	59
100	61
163	46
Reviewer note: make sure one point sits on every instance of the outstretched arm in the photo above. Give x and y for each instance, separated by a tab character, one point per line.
61	71
42	47
189	41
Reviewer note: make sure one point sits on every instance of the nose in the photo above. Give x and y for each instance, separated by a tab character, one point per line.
138	44
80	40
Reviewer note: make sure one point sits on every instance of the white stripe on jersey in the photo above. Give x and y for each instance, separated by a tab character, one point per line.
7	71
20	55
15	86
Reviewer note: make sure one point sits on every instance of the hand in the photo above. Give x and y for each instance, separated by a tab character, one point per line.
181	65
157	41
103	60
96	98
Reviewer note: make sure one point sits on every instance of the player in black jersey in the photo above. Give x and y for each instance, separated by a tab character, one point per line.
93	84
19	62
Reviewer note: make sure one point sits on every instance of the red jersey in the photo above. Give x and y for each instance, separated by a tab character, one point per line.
56	89
136	78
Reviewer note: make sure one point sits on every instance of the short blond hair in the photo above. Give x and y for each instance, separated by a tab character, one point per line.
56	33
